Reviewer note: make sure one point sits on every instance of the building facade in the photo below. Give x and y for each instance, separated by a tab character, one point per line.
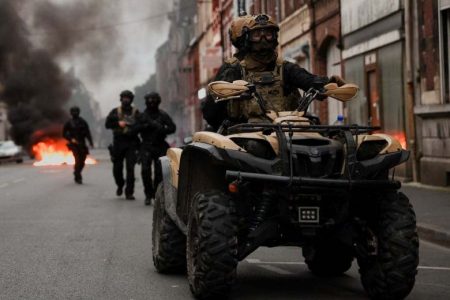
373	53
397	51
431	64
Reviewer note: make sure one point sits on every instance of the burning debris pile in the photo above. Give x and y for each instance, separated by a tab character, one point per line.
50	149
35	88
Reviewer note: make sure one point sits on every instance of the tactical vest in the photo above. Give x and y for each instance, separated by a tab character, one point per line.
270	85
129	119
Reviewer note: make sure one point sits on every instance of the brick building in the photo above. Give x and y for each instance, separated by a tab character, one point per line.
431	64
397	51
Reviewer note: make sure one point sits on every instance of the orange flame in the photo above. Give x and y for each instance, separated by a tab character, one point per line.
400	136
52	152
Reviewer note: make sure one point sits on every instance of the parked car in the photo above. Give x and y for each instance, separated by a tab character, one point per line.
9	151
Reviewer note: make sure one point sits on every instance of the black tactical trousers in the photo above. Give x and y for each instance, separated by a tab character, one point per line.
128	154
79	153
150	182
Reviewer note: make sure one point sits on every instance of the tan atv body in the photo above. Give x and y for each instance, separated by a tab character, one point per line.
282	179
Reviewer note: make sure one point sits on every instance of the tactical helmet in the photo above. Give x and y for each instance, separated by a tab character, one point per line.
152	95
259	22
241	27
75	111
127	94
236	31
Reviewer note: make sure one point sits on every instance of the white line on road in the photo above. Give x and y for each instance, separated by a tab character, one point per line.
434	268
3	185
18	180
275	269
267	263
258	261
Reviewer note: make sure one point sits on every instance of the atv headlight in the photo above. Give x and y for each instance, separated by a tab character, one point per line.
258	148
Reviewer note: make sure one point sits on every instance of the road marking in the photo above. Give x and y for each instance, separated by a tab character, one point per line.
3	185
258	261
269	263
19	180
275	269
434	268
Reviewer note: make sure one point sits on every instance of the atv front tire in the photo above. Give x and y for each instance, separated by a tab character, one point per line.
390	275
168	241
328	259
212	245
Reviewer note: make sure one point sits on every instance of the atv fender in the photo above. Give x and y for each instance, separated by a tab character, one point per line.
170	191
201	169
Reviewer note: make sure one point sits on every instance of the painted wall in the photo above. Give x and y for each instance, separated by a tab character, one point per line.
359	13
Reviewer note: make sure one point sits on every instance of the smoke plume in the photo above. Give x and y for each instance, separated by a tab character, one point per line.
34	86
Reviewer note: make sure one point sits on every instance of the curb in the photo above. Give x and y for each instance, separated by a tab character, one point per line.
434	234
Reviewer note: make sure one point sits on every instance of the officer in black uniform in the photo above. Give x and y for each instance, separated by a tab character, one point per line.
153	125
122	121
76	132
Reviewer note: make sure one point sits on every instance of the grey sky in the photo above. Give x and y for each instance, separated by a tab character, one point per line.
143	26
139	41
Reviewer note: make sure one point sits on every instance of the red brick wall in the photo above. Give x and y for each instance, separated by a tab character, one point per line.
428	41
290	6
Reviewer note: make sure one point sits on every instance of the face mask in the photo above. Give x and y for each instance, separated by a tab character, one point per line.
263	46
125	101
75	113
152	104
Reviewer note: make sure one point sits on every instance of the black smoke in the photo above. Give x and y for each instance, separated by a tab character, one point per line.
32	83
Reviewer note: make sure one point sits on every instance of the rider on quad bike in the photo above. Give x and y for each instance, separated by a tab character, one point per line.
257	61
271	176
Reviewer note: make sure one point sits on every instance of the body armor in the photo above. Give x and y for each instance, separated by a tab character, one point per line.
129	119
269	84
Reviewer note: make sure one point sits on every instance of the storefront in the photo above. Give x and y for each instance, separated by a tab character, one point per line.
373	49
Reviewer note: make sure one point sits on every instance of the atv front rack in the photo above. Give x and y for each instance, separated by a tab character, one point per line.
328	130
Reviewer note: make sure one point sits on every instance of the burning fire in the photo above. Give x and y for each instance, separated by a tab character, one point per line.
52	152
400	136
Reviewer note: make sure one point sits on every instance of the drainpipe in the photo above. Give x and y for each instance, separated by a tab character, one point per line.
410	85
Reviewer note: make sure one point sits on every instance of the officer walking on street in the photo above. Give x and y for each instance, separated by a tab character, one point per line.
153	125
76	131
122	121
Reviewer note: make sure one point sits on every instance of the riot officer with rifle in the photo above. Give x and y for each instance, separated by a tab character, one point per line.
122	121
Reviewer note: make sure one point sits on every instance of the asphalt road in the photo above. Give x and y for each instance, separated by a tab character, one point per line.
59	240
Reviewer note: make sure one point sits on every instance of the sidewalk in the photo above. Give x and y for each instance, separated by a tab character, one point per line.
432	206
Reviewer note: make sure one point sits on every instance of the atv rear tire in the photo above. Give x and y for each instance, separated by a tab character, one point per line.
168	241
391	274
329	259
212	245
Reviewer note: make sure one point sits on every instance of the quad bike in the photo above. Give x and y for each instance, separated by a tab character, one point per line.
285	181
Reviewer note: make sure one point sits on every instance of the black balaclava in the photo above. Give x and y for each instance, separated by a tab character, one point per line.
261	54
75	112
152	101
126	102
